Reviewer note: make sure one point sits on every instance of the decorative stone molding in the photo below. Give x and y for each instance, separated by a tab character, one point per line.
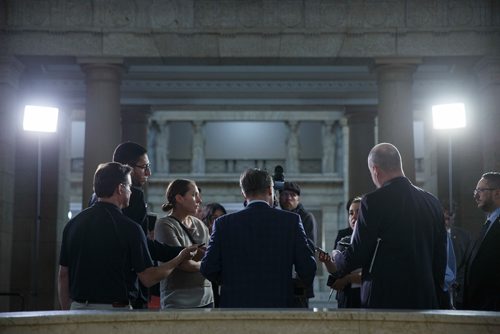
190	15
236	114
10	71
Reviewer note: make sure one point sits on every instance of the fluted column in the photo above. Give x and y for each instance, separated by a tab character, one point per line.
292	155
329	143
198	149
135	120
361	123
102	117
395	112
488	72
10	72
160	145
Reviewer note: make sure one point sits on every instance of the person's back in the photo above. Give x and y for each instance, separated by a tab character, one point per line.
252	252
98	253
409	226
399	240
258	270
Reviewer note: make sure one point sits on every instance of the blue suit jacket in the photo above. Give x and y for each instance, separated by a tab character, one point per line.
251	254
409	266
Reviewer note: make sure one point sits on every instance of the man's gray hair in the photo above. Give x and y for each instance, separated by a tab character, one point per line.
386	156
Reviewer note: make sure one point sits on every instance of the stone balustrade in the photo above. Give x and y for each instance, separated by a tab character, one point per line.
316	321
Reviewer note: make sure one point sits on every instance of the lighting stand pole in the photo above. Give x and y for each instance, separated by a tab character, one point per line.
450	175
36	248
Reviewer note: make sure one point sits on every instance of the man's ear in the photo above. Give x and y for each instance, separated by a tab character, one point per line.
119	189
270	191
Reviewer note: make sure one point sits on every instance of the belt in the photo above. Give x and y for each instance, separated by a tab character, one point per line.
114	304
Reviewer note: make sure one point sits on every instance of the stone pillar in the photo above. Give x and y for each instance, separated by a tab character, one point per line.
135	124
102	116
10	72
361	124
488	72
395	112
161	146
329	143
198	149
292	145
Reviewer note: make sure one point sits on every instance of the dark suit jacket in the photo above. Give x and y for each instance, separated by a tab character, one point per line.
408	269
482	278
251	254
342	234
462	243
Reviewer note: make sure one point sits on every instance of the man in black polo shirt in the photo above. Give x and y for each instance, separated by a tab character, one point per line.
103	251
136	156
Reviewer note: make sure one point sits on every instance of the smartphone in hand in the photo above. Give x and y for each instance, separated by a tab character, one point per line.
320	250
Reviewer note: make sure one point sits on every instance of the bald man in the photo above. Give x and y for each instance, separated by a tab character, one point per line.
399	240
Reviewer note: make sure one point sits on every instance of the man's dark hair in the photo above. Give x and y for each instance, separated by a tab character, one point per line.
128	153
108	176
493	179
254	181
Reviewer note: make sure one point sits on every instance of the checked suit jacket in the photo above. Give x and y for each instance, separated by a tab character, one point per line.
252	254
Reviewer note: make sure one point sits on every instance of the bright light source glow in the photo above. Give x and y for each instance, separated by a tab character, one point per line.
448	116
40	119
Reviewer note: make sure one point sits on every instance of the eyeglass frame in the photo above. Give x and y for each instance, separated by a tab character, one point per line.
144	167
127	186
480	190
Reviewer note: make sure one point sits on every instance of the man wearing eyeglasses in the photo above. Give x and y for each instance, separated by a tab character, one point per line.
136	156
103	251
482	278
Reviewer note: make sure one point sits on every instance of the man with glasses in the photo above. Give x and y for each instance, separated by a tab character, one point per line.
103	251
136	156
482	278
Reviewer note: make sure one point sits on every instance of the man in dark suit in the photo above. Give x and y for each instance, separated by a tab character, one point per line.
482	278
252	253
399	240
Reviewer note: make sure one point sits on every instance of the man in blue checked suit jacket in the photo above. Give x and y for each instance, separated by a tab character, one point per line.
252	252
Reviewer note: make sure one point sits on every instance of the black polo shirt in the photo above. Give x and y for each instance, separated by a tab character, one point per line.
103	250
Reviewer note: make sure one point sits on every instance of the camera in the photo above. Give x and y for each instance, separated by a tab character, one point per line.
278	178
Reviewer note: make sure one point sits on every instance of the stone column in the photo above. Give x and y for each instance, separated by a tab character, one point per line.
10	72
102	116
135	124
198	149
161	147
488	72
395	113
361	124
292	145
329	143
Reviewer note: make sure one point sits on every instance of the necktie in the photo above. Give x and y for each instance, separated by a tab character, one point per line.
452	262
